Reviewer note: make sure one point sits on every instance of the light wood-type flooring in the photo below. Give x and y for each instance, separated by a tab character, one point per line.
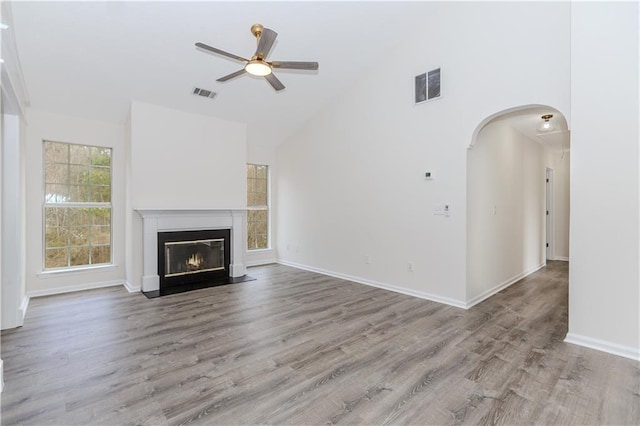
295	347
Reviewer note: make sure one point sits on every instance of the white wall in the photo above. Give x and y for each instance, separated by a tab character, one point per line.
506	209
1	205
13	246
13	303
132	225
186	161
53	127
351	181
604	279
559	162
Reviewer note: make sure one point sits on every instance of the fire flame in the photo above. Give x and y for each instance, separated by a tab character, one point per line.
194	262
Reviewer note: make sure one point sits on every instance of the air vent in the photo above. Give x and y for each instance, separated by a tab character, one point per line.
204	92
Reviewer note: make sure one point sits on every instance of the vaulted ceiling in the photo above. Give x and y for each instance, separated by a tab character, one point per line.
91	59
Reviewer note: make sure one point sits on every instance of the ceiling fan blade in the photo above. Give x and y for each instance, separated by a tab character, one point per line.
232	75
295	65
274	82
220	52
267	38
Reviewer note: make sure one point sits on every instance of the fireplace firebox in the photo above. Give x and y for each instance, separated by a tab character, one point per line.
191	258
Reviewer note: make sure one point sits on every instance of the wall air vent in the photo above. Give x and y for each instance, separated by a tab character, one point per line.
203	92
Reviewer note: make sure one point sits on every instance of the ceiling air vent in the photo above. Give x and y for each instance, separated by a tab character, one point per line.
204	92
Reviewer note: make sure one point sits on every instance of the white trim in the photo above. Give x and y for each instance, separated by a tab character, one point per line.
488	293
73	205
604	346
550	216
77	271
130	288
384	286
154	221
22	311
150	283
1	375
261	262
561	258
11	70
483	123
158	212
69	289
259	251
260	257
237	269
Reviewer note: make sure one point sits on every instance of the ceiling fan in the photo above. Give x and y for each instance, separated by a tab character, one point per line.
258	65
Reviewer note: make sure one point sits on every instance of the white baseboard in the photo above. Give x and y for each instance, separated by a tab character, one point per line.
562	258
261	262
1	375
237	270
60	290
604	346
130	287
488	293
22	310
384	286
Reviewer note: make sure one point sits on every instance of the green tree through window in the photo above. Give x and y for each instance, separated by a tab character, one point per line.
77	205
258	207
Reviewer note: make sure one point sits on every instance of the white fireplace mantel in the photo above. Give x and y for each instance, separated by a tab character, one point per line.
161	220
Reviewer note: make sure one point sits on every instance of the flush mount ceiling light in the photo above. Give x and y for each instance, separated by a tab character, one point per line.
546	125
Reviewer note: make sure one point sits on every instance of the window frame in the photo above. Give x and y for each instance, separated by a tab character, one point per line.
266	207
74	205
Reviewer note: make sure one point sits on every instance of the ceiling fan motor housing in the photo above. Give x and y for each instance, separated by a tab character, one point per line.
256	30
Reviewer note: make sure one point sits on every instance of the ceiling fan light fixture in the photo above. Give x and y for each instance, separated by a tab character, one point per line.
258	68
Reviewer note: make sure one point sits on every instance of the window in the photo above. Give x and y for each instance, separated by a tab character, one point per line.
258	207
77	205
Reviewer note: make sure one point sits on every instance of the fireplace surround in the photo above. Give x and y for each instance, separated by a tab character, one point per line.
156	221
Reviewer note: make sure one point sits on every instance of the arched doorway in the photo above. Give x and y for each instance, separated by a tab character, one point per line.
513	212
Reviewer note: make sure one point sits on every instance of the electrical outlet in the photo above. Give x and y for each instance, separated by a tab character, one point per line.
409	266
367	260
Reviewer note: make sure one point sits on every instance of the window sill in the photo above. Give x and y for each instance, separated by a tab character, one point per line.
77	271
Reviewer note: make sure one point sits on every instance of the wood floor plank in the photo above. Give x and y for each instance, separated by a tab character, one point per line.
295	347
